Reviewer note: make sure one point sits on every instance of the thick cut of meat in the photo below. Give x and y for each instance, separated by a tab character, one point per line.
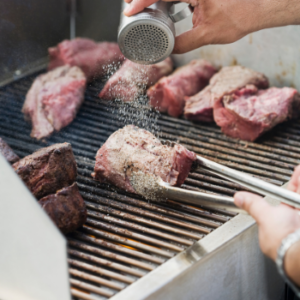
66	208
199	107
132	149
250	112
7	152
54	99
48	169
168	94
93	58
132	80
230	79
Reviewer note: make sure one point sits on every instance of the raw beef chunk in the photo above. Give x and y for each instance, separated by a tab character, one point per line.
66	208
53	100
132	80
48	169
7	152
229	80
250	112
168	94
133	149
93	58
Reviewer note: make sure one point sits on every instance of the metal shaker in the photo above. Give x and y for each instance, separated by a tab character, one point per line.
149	36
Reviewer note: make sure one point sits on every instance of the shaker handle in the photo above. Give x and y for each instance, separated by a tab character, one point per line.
176	17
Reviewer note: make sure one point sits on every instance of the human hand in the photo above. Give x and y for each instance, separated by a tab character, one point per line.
294	184
223	22
274	223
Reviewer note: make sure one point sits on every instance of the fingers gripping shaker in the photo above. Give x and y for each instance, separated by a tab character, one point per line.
149	36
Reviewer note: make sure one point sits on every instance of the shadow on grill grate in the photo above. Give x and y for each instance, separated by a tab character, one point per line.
125	237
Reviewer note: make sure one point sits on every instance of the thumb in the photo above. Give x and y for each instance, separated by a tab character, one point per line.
137	6
255	205
190	40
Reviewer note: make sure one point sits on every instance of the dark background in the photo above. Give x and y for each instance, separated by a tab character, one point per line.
28	28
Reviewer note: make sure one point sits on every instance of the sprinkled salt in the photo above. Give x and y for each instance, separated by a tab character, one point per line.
147	185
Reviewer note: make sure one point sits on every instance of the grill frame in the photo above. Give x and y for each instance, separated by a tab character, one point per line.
117	202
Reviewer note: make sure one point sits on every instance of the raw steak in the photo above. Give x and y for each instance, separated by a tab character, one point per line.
7	152
53	100
132	80
93	58
230	79
132	149
48	169
168	94
250	112
66	208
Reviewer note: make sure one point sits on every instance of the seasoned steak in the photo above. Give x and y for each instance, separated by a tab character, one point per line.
132	80
53	100
7	152
229	80
168	94
48	169
93	58
66	208
132	149
250	112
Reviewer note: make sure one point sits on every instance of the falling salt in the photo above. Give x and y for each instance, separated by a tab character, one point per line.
138	112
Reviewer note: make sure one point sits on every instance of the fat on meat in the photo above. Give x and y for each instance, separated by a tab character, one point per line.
48	169
66	208
227	81
132	80
7	152
54	99
93	58
250	112
167	95
132	149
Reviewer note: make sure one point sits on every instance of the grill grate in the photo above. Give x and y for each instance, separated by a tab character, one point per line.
125	237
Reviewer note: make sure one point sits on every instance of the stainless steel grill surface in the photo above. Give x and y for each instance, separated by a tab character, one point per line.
125	237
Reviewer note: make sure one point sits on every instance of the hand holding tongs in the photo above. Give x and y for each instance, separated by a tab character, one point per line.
223	202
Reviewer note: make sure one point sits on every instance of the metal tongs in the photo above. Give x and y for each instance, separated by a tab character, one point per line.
223	202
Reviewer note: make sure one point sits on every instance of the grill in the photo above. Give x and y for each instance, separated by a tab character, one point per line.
126	237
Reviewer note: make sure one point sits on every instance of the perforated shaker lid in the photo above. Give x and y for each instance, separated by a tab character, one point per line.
146	41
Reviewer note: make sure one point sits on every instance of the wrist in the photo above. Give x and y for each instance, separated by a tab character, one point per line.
289	244
282	12
292	263
276	13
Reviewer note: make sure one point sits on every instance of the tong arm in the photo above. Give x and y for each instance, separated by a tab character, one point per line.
250	182
198	198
